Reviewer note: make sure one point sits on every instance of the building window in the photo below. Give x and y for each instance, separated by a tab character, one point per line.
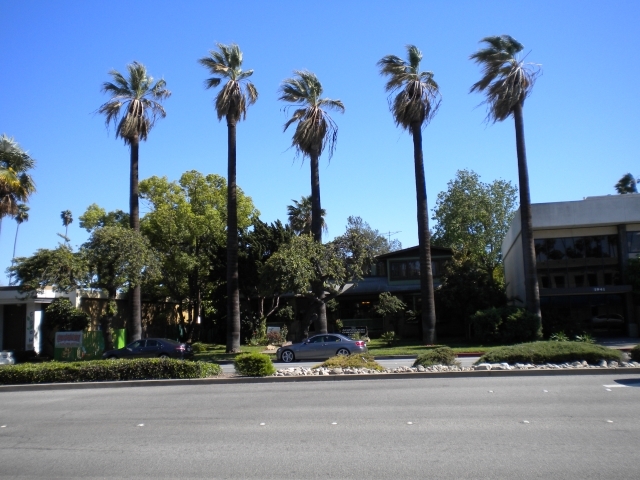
545	281
579	279
633	242
592	279
404	270
559	281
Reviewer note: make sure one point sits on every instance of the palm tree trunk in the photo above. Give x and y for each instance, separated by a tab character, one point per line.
233	293
526	225
424	240
134	223
316	231
15	242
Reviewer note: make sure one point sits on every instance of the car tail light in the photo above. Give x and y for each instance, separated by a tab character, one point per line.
360	344
180	348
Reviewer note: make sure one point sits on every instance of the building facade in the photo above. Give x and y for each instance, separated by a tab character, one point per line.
582	249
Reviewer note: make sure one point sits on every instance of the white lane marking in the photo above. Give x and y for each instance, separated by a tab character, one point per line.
615	386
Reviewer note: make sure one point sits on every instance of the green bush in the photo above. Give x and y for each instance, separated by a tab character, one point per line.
106	370
390	338
506	324
559	337
356	360
436	356
254	365
199	347
550	352
635	353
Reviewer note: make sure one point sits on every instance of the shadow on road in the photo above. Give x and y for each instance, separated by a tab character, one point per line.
631	382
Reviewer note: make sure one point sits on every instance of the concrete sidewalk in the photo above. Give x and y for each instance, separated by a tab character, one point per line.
619	343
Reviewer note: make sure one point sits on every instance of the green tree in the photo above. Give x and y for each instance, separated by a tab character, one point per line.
626	184
16	184
67	219
59	268
117	258
133	108
473	218
507	81
231	103
300	216
95	217
61	315
361	244
300	266
186	226
315	131
415	101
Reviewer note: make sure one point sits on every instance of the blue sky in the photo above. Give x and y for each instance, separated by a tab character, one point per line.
581	122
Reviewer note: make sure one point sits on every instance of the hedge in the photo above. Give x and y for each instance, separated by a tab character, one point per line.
355	360
254	365
635	353
105	370
550	352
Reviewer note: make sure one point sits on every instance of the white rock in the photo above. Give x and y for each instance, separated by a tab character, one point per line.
602	363
482	366
613	364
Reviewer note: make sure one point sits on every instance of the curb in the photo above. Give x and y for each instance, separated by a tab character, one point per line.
314	378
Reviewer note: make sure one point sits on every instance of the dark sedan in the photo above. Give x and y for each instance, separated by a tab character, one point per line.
151	348
321	347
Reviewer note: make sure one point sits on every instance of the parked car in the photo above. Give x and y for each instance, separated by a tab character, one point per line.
610	319
321	347
151	348
6	358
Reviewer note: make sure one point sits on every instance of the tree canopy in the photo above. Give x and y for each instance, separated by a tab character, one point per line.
16	183
473	217
627	184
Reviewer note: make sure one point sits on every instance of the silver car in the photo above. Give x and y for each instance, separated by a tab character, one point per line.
321	347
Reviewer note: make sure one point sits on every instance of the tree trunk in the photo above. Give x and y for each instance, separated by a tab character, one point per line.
316	231
15	242
233	292
428	323
526	224
134	222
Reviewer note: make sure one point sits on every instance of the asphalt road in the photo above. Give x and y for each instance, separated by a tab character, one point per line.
569	427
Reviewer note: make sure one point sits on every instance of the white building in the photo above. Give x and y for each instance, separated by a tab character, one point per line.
582	248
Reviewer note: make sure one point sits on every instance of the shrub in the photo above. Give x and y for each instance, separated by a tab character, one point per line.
505	324
635	353
559	337
61	314
199	347
106	370
356	360
254	365
550	352
584	338
436	356
390	338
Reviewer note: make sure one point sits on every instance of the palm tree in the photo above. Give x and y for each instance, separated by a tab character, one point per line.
22	215
315	131
507	81
231	103
627	184
415	103
141	98
67	219
16	184
300	218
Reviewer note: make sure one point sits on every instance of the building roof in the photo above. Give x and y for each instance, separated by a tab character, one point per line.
414	252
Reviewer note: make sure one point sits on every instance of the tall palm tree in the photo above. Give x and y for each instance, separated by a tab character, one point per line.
22	215
133	108
414	99
16	184
315	131
300	218
507	81
67	219
231	103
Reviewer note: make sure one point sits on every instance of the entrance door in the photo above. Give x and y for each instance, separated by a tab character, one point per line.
15	326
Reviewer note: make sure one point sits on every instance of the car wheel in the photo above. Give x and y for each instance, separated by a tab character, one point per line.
164	356
112	357
343	351
287	356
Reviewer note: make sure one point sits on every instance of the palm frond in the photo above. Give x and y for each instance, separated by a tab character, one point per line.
226	63
506	80
316	130
414	96
134	104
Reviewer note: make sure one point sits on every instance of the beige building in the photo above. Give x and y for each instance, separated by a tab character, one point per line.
582	248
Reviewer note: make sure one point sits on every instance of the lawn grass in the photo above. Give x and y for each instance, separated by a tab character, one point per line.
216	353
377	348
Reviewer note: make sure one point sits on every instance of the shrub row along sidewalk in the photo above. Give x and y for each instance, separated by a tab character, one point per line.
106	370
